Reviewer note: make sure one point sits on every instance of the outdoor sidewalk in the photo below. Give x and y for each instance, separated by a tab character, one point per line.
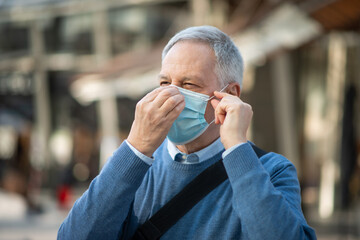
342	225
40	226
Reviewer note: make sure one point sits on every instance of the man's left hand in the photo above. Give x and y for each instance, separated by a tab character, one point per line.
234	116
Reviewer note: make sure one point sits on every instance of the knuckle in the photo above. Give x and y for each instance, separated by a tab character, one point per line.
139	105
178	109
143	107
237	105
172	100
218	108
156	90
150	94
249	107
181	106
166	93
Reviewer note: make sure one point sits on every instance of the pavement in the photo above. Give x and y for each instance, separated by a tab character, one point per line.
342	225
34	226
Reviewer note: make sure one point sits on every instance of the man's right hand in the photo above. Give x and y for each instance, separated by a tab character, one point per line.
154	115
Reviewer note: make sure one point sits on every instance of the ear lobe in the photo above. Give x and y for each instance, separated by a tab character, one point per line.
234	89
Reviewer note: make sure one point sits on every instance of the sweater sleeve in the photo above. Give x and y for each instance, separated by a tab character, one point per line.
267	202
101	211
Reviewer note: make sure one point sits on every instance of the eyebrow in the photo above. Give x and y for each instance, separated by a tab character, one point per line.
162	76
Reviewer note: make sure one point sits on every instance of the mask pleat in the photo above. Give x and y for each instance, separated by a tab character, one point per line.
191	122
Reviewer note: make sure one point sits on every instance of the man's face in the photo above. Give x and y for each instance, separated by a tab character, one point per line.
191	65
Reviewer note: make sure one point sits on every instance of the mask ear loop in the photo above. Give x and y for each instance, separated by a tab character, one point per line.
219	91
224	88
214	96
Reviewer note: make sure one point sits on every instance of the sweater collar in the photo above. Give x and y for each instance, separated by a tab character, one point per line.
205	153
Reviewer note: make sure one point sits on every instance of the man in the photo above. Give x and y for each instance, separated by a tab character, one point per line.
194	119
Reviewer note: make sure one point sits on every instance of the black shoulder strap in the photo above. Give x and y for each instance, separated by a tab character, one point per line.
186	199
259	152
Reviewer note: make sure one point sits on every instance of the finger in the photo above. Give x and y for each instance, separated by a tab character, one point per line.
221	118
214	104
164	95
220	95
220	111
154	93
175	111
171	102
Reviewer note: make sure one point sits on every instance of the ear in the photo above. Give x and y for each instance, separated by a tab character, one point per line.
234	89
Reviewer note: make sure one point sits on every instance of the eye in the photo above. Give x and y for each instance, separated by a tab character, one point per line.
164	83
189	85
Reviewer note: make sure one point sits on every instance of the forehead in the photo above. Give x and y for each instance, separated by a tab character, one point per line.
191	56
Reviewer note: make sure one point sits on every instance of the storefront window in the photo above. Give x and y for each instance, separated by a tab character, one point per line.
133	27
69	34
16	40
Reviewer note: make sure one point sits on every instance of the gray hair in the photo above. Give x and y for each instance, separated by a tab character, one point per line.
230	65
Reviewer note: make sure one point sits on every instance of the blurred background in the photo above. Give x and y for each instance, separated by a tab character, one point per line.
71	72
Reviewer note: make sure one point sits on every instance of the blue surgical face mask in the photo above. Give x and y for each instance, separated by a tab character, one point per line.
191	122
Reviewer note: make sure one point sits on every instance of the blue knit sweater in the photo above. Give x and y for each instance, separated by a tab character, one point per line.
260	200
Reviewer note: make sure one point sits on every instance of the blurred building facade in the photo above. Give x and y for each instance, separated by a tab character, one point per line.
72	71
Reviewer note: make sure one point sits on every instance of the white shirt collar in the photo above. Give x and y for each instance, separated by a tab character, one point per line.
203	154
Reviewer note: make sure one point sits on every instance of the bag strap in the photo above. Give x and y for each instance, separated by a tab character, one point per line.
185	200
259	152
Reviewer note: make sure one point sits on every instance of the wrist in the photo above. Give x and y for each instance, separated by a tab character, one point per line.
142	149
230	144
